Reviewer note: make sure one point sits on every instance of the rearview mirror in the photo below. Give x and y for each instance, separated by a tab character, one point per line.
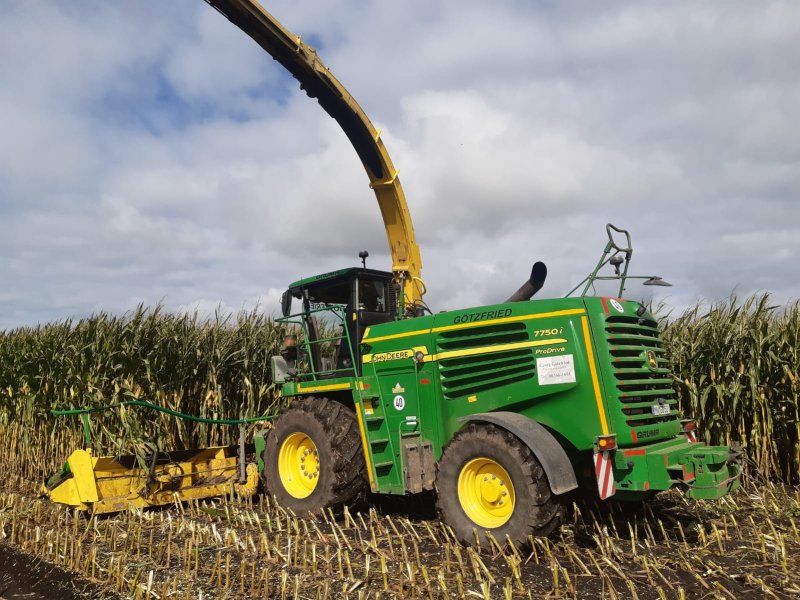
286	303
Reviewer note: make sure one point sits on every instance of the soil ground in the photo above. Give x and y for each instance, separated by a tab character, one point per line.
23	577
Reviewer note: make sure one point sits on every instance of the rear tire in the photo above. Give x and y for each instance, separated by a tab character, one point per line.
313	458
474	497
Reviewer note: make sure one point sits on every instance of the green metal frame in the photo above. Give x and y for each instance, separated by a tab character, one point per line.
611	250
339	310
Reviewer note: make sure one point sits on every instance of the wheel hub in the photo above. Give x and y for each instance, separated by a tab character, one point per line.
298	465
486	493
491	489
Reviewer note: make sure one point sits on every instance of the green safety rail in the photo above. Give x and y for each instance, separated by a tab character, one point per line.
316	371
85	412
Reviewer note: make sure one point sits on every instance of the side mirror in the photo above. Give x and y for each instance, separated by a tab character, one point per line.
657	281
286	303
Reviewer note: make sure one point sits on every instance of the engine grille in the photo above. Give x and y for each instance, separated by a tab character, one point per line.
638	386
465	375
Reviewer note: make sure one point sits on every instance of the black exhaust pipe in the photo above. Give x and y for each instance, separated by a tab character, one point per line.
533	285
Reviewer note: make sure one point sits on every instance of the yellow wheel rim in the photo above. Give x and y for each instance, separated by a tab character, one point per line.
486	493
298	465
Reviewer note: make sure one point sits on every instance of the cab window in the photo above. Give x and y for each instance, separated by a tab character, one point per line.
372	295
337	293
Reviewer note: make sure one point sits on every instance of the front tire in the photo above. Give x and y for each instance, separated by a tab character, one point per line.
313	458
489	480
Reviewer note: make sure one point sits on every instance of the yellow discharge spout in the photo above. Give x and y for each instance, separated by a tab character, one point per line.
302	61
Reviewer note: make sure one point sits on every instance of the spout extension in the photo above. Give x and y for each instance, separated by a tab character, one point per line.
533	285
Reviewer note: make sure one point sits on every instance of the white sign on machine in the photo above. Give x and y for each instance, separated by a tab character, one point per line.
399	401
552	370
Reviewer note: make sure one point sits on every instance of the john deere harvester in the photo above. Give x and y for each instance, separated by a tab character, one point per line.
503	410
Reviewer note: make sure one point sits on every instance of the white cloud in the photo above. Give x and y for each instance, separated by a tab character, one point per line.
217	63
151	151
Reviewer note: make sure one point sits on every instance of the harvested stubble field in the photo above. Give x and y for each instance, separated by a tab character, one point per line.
746	546
736	369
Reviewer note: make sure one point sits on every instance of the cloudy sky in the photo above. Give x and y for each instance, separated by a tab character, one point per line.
150	151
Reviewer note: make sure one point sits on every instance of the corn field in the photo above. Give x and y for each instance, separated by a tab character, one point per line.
736	366
737	370
214	368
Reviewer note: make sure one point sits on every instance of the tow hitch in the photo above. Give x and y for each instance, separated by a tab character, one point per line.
717	470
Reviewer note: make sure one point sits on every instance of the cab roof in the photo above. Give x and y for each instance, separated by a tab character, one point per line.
332	276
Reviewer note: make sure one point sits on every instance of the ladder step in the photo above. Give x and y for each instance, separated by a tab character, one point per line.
384	465
379	442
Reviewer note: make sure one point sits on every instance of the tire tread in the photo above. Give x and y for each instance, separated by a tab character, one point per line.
339	424
542	515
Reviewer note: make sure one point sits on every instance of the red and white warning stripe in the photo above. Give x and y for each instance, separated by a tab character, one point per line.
691	434
604	471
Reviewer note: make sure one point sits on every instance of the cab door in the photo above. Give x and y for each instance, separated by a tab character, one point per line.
371	307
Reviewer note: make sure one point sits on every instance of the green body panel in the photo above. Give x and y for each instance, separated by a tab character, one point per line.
482	360
582	367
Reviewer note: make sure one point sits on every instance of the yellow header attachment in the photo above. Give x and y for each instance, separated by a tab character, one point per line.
315	78
110	484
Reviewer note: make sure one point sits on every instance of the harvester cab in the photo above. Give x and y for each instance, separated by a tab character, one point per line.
334	311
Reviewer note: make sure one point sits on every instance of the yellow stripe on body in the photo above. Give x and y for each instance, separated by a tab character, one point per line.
557	313
323	388
368	358
401	354
363	432
406	353
395	336
498	348
593	370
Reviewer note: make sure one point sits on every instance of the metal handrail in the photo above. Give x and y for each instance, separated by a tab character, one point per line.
300	319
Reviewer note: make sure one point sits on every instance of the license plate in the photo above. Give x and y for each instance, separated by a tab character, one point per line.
660	410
